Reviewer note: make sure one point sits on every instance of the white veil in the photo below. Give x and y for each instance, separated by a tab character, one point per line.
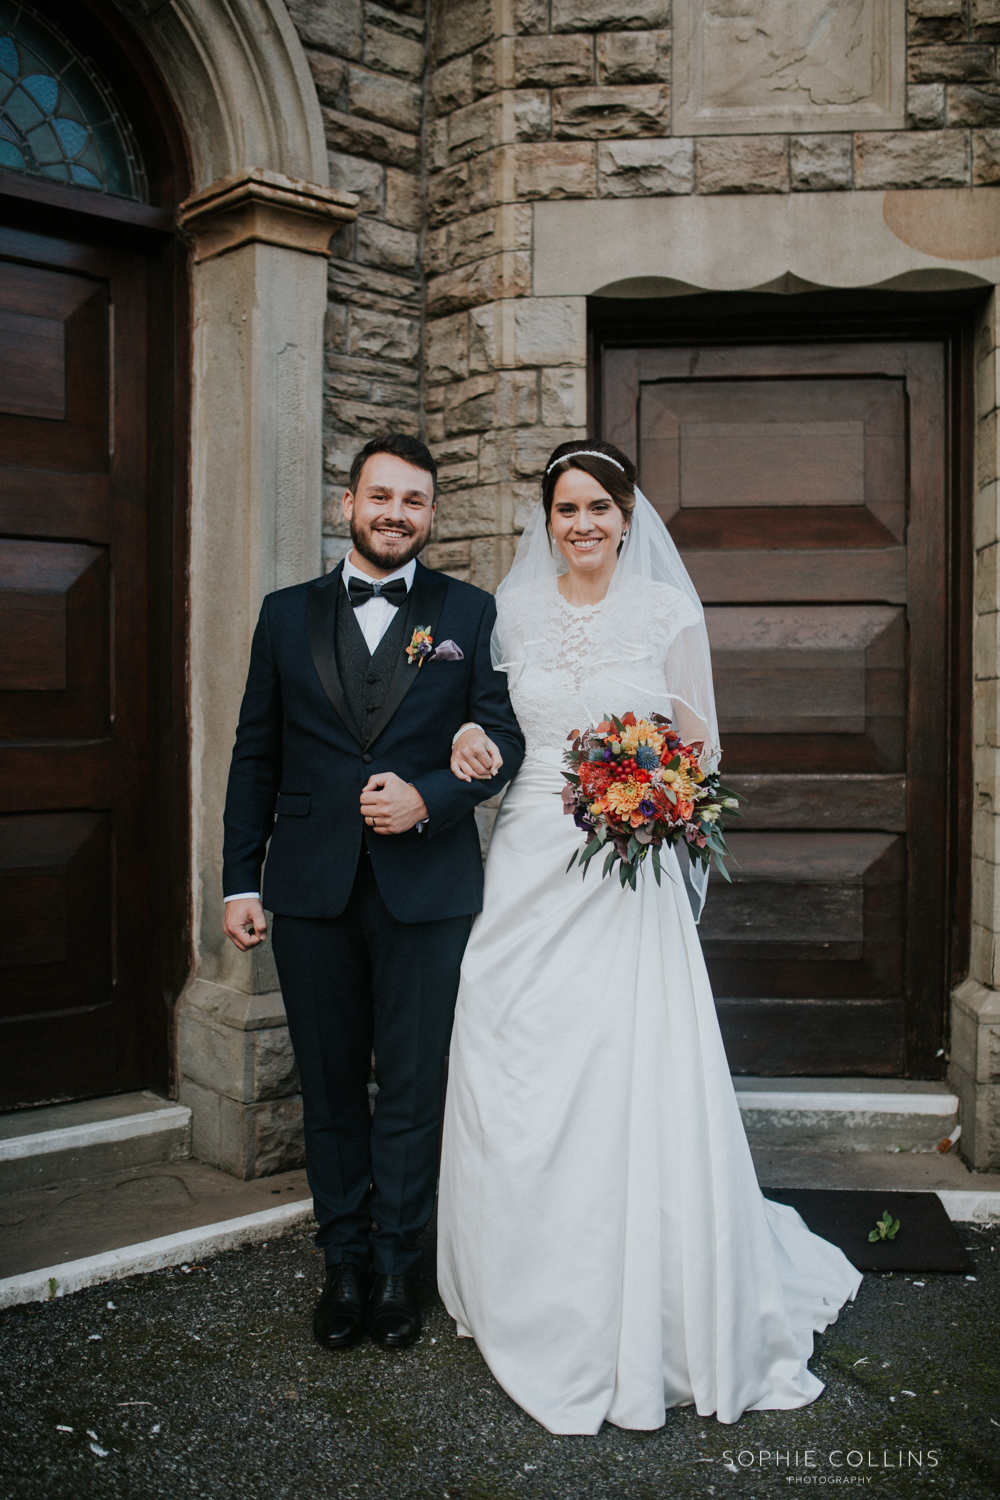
651	613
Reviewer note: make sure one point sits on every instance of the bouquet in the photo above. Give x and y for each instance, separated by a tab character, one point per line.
633	786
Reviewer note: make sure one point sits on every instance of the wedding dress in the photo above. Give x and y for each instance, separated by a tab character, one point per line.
601	1233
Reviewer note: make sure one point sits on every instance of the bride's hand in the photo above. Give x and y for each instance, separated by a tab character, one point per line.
474	757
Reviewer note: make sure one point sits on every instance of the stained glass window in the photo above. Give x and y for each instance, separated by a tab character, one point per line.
58	119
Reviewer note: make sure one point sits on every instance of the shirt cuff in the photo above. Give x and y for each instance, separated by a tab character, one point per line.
243	896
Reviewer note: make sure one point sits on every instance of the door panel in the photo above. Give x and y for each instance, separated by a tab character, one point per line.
72	616
804	485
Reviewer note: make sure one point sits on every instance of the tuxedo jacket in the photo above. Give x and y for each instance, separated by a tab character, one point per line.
300	761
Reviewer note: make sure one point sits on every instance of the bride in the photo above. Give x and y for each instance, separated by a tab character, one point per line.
601	1233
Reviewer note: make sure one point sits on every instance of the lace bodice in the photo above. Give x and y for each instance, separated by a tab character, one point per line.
571	676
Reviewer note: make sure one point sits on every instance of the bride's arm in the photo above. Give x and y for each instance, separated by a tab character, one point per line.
474	755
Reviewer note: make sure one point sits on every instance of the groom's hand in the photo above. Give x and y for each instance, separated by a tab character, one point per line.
391	805
245	923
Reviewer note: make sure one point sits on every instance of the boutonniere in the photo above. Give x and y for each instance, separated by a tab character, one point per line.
421	645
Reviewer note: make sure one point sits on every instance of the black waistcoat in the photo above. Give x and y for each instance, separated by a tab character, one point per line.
366	677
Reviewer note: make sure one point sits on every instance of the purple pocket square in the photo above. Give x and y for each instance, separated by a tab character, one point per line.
447	651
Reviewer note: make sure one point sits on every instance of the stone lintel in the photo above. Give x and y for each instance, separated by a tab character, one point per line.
257	206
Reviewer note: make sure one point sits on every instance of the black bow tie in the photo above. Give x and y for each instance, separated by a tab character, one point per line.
359	591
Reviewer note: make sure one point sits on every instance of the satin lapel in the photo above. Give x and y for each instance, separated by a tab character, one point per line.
423	606
321	628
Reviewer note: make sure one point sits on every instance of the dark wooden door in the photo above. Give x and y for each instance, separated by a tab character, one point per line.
805	487
74	986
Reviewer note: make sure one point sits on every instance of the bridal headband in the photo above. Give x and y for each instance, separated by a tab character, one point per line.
584	453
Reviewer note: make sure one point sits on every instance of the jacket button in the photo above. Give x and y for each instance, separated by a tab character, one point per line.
371	678
367	758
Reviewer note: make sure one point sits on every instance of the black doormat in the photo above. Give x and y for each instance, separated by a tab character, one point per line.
926	1239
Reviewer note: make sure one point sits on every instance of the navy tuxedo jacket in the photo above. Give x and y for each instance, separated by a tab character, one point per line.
299	762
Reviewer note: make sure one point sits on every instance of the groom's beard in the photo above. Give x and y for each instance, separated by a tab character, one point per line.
366	542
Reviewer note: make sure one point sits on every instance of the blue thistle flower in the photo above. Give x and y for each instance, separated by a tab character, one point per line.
646	758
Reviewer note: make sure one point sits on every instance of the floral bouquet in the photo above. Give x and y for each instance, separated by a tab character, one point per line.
635	786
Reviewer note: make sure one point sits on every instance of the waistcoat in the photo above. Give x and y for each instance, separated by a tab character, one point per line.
364	676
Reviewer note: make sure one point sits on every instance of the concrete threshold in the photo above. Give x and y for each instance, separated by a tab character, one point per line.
847	1114
55	1144
152	1255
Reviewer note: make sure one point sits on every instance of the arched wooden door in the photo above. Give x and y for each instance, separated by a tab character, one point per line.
87	668
807	486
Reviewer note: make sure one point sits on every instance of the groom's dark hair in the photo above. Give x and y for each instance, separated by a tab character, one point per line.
400	445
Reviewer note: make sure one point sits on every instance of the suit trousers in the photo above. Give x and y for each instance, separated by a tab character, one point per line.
352	984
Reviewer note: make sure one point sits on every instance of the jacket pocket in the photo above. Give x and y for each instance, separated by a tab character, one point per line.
293	804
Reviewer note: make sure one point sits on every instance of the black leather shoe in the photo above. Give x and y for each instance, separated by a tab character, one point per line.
394	1312
339	1319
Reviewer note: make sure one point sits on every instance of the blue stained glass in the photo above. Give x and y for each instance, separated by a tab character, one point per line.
72	135
59	120
43	89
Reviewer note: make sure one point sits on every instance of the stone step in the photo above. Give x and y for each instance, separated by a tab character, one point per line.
846	1114
57	1143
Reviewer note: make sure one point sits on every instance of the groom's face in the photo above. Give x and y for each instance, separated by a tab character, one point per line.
391	512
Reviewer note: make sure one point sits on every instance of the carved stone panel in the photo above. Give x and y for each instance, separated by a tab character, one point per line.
749	66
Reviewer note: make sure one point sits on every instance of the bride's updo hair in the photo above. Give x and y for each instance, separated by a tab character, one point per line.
618	481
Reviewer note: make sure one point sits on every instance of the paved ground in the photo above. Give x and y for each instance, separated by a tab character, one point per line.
203	1382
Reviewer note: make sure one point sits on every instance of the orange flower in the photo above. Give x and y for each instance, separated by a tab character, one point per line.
595	777
624	796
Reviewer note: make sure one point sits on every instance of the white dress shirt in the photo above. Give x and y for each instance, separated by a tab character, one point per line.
374	616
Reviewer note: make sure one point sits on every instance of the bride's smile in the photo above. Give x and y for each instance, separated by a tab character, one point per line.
587	526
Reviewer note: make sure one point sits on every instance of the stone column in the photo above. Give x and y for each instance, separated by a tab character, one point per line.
259	265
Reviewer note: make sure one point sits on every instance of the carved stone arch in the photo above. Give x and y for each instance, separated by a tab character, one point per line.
240	83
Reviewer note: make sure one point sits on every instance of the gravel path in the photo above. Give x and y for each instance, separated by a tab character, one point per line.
204	1382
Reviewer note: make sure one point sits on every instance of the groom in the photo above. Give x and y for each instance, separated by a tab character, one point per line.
374	870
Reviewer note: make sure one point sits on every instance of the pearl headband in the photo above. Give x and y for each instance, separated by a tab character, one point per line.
585	453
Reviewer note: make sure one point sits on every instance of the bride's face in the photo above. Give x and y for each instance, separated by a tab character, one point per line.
586	524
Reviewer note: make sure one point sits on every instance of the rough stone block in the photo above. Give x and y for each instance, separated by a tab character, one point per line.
821	163
525	451
553	61
361	137
484	70
403	16
935	20
363	420
473	129
459	448
402	199
377	335
532	115
456	476
633	57
985	157
333	25
984	20
986	450
436	145
925	106
531	17
459	25
944	64
550	331
972	104
392	101
613	15
352	174
635	169
470	513
446	557
451	85
436	251
470	406
555	170
330	75
600	113
335	326
448	194
387	52
506	227
504	275
907	159
517	399
564	398
742	164
446	350
381	244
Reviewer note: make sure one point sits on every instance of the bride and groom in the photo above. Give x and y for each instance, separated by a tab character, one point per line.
601	1234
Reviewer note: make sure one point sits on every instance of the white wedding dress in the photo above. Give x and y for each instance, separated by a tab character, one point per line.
601	1233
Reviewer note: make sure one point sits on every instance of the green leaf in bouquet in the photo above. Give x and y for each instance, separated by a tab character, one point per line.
576	856
722	869
670	794
612	856
656	863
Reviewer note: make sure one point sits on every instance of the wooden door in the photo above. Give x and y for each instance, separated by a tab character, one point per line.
805	487
74	985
